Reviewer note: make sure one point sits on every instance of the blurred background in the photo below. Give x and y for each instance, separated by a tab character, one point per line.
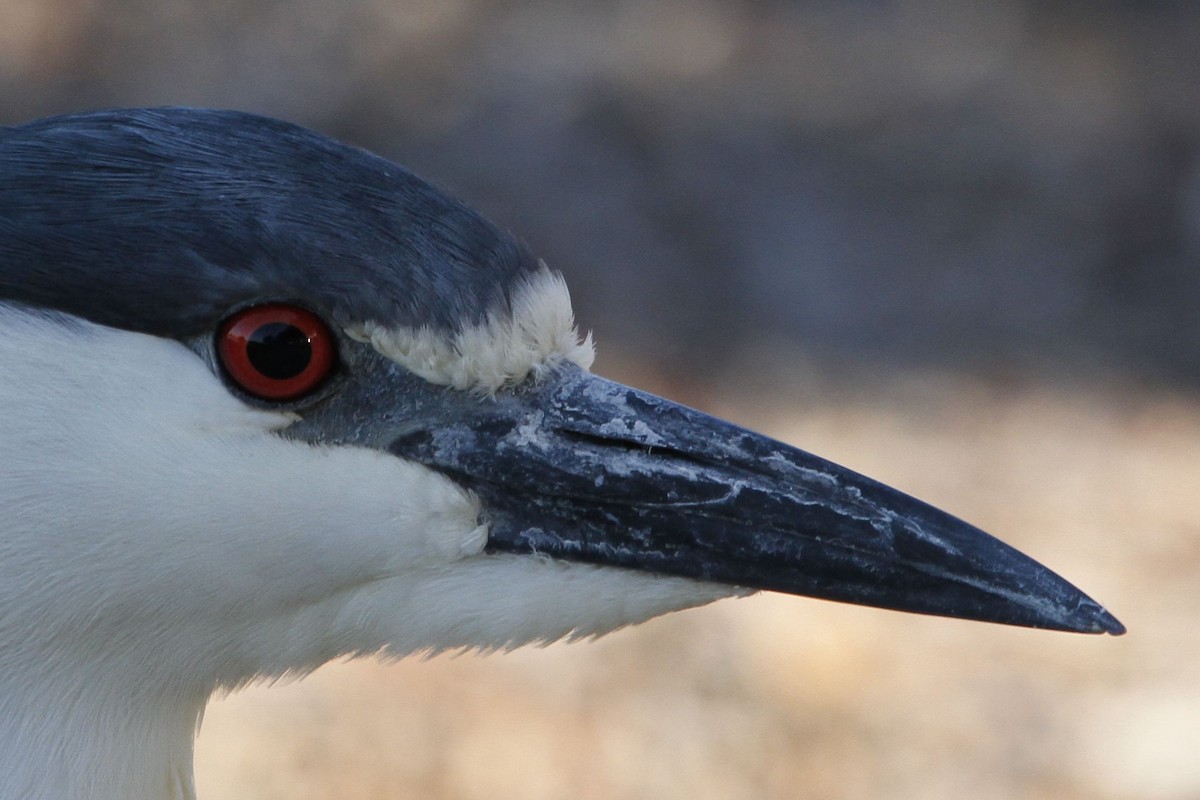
955	246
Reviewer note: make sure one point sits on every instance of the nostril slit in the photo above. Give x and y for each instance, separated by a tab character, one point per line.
632	445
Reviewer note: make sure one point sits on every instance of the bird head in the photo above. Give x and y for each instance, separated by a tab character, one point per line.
269	399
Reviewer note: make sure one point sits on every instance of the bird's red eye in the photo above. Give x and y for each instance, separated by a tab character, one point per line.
276	352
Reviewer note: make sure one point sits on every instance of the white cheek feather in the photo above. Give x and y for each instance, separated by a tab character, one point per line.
502	351
152	498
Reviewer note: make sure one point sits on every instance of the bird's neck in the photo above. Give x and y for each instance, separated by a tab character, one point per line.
78	740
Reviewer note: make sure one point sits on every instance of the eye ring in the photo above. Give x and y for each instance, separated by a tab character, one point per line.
276	352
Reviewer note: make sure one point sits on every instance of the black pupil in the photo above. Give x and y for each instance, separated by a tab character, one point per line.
278	350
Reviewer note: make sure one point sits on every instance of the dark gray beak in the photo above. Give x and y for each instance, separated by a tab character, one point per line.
582	468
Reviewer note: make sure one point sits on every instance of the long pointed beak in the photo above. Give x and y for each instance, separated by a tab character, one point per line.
585	469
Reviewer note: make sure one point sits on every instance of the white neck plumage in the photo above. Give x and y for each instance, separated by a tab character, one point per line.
75	737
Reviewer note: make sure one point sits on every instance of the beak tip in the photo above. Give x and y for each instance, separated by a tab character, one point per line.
1091	617
1106	623
1078	613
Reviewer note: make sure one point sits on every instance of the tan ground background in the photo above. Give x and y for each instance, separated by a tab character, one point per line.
780	697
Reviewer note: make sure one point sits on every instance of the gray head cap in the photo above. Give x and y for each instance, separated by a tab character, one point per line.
161	220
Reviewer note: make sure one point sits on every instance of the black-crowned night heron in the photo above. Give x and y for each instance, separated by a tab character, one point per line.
267	400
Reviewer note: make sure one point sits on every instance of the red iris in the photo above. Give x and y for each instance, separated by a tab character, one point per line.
276	352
